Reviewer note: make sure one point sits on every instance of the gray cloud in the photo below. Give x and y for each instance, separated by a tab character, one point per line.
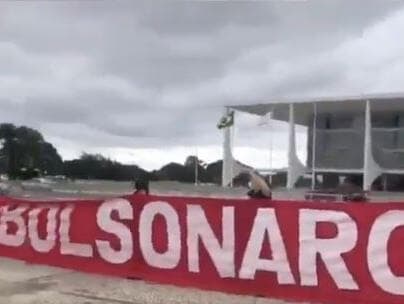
152	74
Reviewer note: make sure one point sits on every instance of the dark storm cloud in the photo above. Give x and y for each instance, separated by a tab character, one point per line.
139	74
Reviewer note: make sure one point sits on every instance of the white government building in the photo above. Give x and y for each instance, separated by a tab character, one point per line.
362	135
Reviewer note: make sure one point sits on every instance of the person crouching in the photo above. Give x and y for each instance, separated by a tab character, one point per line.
259	188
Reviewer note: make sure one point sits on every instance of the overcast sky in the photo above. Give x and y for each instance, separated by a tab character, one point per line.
145	82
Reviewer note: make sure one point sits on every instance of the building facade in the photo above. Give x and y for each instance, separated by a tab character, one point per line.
361	136
339	145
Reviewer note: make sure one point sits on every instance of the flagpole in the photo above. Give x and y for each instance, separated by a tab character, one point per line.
270	151
232	131
313	153
270	145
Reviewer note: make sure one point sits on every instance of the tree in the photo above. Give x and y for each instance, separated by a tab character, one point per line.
25	150
96	166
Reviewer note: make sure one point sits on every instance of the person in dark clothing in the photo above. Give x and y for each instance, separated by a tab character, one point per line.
141	186
351	191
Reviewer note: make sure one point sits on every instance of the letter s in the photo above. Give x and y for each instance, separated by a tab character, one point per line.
106	223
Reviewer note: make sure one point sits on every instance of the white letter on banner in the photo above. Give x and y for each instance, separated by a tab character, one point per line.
265	223
330	250
49	242
170	258
378	254
199	229
122	232
67	247
12	216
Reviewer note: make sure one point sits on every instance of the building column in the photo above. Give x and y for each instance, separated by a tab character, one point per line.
371	170
295	167
227	168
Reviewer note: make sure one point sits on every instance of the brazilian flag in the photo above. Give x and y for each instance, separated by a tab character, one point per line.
226	121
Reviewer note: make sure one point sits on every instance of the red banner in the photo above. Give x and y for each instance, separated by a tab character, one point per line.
327	252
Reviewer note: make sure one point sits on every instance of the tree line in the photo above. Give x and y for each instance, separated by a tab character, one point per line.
25	154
